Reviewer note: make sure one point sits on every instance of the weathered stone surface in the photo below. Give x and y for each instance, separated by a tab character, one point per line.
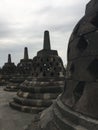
7	72
61	117
9	67
23	72
25	66
77	107
81	72
48	81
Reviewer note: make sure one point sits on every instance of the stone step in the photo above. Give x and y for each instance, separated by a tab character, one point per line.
43	84
48	79
33	102
17	80
46	89
84	122
27	109
64	124
37	95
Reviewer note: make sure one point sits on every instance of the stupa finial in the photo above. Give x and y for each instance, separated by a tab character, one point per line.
46	41
26	53
9	58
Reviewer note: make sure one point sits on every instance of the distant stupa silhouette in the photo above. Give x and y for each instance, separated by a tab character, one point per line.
25	65
8	69
23	71
48	80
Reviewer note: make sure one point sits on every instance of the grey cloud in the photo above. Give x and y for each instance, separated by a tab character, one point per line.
59	20
4	29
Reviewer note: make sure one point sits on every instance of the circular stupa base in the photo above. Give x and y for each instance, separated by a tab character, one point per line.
37	96
61	117
27	109
14	85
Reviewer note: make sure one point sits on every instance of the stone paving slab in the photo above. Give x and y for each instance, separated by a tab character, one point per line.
11	119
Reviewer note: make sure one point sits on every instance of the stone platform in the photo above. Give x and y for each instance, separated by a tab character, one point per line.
11	119
61	117
37	95
14	84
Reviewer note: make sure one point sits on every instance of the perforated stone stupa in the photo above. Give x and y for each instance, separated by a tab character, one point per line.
77	107
23	72
48	81
25	66
8	69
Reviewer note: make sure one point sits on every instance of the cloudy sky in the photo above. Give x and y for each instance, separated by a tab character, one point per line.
23	22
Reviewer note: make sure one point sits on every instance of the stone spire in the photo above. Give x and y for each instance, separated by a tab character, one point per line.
46	45
25	53
9	58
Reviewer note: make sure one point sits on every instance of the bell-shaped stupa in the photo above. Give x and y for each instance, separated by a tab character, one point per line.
23	72
48	75
24	67
8	69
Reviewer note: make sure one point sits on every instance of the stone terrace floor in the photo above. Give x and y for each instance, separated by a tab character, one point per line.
11	119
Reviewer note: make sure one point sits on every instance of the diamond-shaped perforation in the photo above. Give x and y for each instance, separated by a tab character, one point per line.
82	44
93	68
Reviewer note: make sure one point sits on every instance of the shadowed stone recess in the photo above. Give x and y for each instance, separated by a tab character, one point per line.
23	72
77	107
47	81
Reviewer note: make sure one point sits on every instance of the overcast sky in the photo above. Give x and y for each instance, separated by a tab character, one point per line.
23	22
